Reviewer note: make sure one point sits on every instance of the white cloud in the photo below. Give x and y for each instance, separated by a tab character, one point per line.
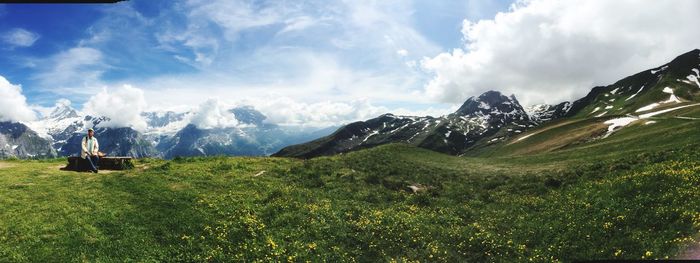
402	52
297	24
46	111
63	102
213	24
549	51
382	27
236	15
20	37
213	114
13	105
72	71
293	55
308	77
122	105
286	111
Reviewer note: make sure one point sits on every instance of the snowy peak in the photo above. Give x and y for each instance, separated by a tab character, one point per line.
162	119
489	102
62	111
493	107
541	113
248	115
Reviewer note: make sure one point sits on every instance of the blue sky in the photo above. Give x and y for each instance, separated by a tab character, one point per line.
329	61
79	49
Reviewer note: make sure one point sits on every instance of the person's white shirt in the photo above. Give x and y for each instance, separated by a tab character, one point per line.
85	151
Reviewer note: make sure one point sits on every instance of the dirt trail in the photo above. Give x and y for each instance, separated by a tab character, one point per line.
4	165
692	252
61	166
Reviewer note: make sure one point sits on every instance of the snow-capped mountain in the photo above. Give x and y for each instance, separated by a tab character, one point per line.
18	140
253	137
123	141
161	121
64	126
59	125
541	113
248	115
489	118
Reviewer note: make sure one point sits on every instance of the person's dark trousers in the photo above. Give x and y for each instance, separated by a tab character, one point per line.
93	162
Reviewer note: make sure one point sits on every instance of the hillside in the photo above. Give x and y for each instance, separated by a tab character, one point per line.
494	120
579	137
17	139
393	202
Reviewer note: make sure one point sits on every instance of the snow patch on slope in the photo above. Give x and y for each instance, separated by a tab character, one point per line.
671	99
525	137
660	69
618	123
633	95
601	115
647	107
370	135
695	78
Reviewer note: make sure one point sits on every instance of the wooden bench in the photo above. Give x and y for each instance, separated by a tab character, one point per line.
75	163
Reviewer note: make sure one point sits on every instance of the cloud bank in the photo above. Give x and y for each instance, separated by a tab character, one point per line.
13	105
286	111
213	114
550	51
122	105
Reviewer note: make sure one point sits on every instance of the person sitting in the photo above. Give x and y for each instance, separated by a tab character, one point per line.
90	150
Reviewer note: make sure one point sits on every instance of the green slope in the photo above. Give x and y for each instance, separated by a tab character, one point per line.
355	207
582	138
639	90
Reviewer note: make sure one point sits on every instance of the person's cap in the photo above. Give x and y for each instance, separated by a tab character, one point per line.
90	129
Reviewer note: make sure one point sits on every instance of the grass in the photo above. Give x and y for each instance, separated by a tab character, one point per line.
354	207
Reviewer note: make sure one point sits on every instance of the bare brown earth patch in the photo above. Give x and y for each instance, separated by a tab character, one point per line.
4	165
692	252
535	132
178	186
576	136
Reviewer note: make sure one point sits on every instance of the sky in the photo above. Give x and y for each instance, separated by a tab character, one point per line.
327	62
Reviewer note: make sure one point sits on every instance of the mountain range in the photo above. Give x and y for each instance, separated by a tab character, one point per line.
168	134
493	120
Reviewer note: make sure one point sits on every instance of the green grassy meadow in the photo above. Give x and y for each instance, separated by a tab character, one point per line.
355	207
